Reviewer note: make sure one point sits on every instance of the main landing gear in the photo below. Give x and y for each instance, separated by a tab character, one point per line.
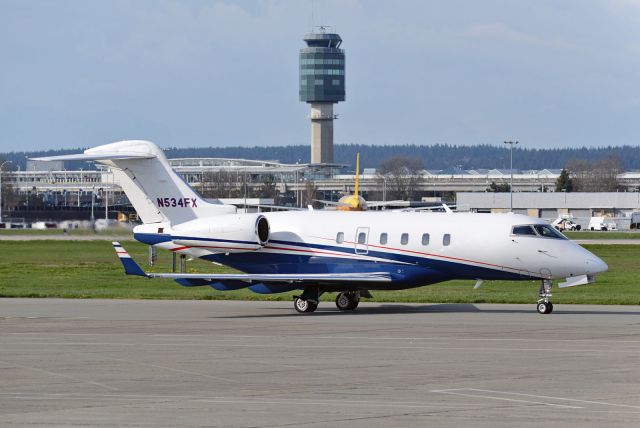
544	304
304	306
308	301
345	300
348	300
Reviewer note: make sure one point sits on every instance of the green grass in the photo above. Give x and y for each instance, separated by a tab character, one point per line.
587	234
73	232
90	269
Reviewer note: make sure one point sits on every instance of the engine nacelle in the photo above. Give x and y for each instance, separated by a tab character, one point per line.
229	233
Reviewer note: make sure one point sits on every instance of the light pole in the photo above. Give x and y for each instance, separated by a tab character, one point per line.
511	143
384	188
93	219
1	166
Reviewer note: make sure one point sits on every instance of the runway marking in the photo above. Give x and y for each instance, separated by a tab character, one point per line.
77	379
454	392
237	400
254	400
575	400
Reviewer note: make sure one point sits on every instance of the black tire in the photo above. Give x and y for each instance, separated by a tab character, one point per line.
346	301
578	227
304	306
604	229
343	301
549	308
542	308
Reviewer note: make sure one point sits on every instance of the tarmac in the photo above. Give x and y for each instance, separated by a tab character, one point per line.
261	364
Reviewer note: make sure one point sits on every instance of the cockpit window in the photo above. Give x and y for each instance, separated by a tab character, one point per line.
523	231
547	231
542	230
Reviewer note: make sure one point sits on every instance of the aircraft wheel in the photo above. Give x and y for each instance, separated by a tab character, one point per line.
347	301
544	307
304	306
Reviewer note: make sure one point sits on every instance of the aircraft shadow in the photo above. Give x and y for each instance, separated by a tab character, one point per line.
424	309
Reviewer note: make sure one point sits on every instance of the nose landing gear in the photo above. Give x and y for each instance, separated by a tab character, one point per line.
544	304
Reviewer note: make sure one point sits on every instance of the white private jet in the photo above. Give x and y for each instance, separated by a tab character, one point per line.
329	251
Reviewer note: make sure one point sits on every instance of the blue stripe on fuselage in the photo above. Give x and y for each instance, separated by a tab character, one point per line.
152	238
405	269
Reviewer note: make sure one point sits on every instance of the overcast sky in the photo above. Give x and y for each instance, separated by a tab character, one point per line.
217	73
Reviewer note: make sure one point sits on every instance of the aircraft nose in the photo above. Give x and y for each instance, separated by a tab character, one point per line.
595	264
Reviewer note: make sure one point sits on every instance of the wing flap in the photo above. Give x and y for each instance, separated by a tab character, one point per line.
280	278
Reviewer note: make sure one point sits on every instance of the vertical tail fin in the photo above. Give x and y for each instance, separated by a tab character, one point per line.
157	193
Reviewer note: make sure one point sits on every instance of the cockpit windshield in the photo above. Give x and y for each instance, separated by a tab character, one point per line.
524	231
543	230
548	232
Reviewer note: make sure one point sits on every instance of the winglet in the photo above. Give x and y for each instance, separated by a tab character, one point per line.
130	266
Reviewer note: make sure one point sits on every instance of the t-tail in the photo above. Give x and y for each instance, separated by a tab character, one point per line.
156	192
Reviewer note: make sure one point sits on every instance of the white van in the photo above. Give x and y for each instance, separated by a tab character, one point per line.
597	223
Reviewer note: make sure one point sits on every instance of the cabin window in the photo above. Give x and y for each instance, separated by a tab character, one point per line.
523	231
383	238
362	238
446	239
425	239
340	237
404	239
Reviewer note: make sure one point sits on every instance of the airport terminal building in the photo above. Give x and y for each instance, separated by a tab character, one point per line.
617	206
40	194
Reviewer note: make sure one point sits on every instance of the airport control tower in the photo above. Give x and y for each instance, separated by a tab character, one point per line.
322	85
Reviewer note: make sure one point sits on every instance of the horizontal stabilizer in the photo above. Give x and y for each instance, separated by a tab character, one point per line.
96	156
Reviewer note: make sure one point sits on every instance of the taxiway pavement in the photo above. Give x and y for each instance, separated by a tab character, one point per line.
260	364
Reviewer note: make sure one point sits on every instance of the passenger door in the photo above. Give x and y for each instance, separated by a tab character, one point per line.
362	240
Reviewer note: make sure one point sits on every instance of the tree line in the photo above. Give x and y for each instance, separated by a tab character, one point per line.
436	157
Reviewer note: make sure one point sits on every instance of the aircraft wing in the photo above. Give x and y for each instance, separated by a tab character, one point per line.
445	207
384	203
332	203
276	207
132	268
